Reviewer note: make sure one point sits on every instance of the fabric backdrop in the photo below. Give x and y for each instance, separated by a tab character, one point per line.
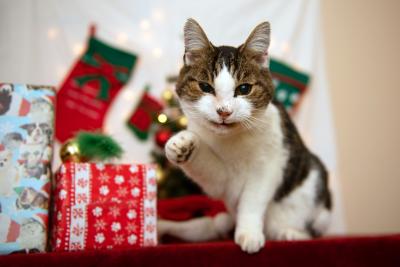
40	41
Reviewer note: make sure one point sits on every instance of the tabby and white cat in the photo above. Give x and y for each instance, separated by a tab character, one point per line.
241	147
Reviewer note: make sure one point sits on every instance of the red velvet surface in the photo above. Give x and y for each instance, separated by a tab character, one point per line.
350	251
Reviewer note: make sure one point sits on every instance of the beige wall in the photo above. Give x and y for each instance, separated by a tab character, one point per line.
362	40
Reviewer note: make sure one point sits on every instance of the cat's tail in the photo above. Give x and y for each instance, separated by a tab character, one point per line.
198	229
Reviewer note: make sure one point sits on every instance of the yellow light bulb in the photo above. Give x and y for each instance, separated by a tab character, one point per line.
162	118
183	121
167	95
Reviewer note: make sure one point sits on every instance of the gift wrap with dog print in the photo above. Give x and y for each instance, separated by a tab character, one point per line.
26	136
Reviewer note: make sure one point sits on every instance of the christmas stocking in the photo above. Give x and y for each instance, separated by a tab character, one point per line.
144	115
88	91
290	84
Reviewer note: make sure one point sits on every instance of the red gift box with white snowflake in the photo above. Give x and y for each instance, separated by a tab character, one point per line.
104	206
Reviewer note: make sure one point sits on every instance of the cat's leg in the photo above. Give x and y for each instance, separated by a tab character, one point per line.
257	193
196	159
297	216
198	229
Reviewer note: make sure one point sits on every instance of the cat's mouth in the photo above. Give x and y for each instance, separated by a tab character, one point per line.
223	125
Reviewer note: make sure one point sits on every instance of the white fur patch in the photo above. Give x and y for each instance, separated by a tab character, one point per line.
224	85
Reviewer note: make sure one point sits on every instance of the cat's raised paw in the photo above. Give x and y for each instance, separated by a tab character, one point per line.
181	146
249	241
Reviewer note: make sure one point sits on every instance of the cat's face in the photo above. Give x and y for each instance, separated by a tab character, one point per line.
224	89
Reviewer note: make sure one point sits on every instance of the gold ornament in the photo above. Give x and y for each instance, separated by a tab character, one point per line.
183	121
159	174
69	152
167	95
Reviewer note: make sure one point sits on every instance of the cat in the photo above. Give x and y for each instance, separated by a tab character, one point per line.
241	147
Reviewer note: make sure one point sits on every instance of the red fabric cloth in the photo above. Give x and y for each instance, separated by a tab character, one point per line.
349	251
181	209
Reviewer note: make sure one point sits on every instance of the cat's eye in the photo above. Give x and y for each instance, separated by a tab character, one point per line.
206	88
243	89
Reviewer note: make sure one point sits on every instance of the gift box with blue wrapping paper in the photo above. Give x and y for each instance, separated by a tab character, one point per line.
26	137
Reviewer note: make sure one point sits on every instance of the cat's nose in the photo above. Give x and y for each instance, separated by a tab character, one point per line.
223	113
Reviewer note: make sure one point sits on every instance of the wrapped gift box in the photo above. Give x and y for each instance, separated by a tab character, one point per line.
26	137
104	206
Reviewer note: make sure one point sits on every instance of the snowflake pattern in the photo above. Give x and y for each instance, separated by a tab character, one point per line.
63	194
104	190
115	226
104	178
149	212
99	238
118	239
134	181
82	182
100	166
77	230
114	211
81	198
131	227
100	225
151	196
76	246
135	192
77	213
119	179
132	239
97	211
132	203
150	228
122	192
132	214
59	216
133	168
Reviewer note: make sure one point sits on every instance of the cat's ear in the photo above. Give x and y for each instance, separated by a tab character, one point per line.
257	43
196	41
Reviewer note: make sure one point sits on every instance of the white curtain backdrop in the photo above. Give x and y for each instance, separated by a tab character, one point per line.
41	39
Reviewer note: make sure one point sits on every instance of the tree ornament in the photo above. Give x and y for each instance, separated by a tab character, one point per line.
70	152
162	136
90	88
87	146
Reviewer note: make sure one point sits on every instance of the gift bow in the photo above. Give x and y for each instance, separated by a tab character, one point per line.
107	74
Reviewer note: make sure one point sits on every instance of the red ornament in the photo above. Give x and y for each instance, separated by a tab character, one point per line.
162	136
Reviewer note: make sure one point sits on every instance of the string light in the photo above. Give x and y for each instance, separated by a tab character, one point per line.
129	95
158	14
157	52
77	49
122	38
167	95
183	121
52	33
285	47
162	118
144	24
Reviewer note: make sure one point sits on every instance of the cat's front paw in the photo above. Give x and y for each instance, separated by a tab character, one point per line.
250	241
180	148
